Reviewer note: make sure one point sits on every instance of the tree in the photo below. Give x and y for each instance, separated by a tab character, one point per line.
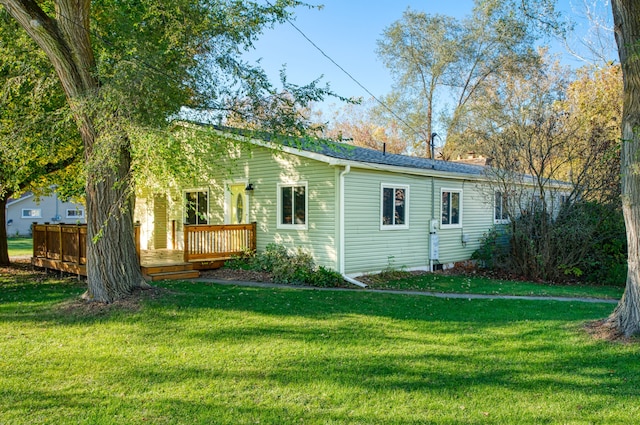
626	17
419	50
439	57
592	106
538	129
356	124
126	65
37	136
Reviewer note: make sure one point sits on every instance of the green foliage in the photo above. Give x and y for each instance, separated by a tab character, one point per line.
37	135
297	269
494	247
586	242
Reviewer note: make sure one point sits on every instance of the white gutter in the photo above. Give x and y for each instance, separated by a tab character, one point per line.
347	170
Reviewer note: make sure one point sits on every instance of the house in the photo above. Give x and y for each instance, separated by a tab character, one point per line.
354	210
22	212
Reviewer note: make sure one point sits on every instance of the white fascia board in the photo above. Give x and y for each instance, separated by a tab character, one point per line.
23	198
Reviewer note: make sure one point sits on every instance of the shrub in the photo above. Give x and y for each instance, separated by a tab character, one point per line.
296	269
585	242
494	248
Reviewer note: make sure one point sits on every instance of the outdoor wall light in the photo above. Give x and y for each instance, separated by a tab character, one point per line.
249	187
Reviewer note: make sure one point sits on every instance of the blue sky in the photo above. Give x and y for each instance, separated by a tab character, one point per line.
347	31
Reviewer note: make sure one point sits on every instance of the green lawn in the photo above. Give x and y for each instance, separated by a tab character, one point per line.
206	353
481	285
20	246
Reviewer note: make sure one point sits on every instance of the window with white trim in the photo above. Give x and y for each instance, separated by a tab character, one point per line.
196	209
500	212
31	213
292	206
451	208
75	213
394	207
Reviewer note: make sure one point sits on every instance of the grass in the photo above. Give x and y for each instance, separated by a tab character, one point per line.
206	353
482	285
20	246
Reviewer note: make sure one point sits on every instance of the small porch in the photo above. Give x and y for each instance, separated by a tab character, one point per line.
63	247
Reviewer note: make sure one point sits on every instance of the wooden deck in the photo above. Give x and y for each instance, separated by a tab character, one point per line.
63	247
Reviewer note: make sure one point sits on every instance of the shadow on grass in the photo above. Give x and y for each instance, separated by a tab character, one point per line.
38	297
214	354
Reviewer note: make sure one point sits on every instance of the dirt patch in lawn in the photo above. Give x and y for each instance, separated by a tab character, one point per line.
237	275
603	330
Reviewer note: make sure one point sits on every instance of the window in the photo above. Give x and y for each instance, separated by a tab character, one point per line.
395	207
292	206
78	213
196	207
500	214
32	213
451	208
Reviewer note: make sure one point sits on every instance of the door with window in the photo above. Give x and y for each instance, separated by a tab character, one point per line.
238	208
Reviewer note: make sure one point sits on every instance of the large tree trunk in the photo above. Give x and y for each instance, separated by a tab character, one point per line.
112	265
4	248
626	18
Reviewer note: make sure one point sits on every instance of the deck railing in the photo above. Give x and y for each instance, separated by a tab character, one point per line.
64	246
60	242
204	242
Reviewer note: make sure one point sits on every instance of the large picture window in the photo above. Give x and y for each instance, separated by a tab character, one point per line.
451	208
292	206
500	215
395	207
196	207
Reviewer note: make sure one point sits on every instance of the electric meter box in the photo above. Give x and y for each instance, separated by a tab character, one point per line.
434	244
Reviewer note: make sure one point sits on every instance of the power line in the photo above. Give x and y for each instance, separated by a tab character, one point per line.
384	105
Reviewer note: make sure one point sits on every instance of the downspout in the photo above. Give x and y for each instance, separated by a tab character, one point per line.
433	217
347	170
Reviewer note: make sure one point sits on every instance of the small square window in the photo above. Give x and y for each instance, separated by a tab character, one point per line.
395	207
77	213
451	207
292	206
32	213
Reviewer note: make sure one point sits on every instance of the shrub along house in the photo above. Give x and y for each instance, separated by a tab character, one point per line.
354	210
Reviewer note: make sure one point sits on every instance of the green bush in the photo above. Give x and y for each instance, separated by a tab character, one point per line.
295	269
494	248
585	242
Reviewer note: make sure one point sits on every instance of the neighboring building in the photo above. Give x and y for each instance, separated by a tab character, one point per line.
24	211
354	210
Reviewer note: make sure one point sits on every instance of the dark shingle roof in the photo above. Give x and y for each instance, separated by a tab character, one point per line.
364	155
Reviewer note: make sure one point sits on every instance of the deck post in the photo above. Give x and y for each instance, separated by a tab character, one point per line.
173	234
78	245
136	234
60	242
33	232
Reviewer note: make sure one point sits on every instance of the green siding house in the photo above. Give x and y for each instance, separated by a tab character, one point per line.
355	210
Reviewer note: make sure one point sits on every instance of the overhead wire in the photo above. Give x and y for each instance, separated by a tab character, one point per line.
348	74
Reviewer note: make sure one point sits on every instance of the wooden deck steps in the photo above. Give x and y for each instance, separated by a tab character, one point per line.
169	272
